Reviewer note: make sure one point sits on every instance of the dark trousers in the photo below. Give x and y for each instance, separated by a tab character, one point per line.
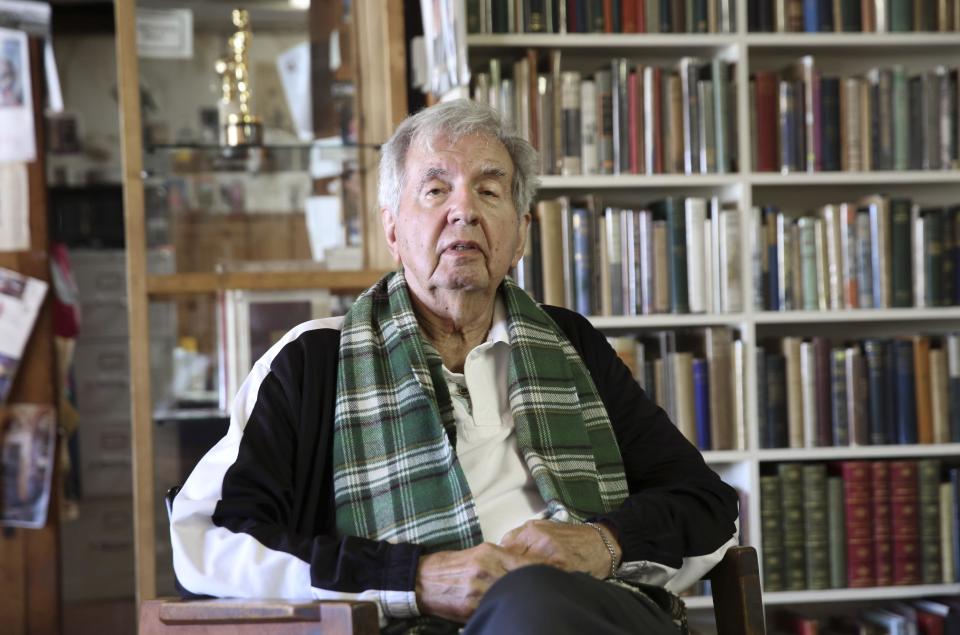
543	600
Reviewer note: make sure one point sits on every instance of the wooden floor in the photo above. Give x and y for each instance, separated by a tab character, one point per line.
100	617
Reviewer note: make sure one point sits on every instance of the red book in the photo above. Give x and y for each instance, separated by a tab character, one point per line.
858	501
608	16
628	16
928	623
642	15
573	24
634	108
765	96
905	531
880	479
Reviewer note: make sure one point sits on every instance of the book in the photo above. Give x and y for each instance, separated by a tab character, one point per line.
836	532
858	501
928	501
774	434
792	510
882	524
815	526
772	526
904	522
923	399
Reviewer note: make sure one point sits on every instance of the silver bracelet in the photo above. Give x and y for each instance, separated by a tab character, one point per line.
610	549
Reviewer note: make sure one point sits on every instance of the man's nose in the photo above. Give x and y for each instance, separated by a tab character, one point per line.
463	207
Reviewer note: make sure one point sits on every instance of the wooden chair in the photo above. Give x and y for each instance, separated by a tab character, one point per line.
737	607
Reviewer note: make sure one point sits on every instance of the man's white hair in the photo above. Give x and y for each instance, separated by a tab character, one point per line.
452	121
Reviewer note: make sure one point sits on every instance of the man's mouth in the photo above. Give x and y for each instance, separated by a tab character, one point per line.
461	247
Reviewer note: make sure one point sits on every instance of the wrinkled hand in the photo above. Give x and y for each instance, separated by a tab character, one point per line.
450	584
563	545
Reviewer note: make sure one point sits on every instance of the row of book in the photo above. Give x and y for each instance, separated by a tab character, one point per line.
624	118
859	524
675	255
696	376
868	16
927	616
888	119
601	16
812	392
878	252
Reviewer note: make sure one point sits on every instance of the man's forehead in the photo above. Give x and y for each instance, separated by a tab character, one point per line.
473	153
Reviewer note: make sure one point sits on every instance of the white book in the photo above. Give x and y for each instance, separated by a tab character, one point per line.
648	263
791	352
808	391
919	256
758	248
858	426
649	130
731	297
711	301
864	263
614	261
588	127
508	103
695	210
630	278
739	398
570	115
946	532
850	269
940	395
831	220
683	394
713	269
784	263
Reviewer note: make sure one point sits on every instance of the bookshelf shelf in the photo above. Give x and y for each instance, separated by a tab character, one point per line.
857	315
721	457
615	41
821	41
853	595
858	452
635	181
665	320
906	177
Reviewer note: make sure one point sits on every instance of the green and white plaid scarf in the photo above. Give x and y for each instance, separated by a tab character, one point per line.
396	474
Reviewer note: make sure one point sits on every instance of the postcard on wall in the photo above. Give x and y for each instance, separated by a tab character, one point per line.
28	436
17	142
20	301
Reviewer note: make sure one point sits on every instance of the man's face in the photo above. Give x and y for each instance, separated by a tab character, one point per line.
457	228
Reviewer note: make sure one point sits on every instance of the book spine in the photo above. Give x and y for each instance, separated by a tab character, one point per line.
856	374
719	351
570	113
875	353
676	229
905	392
864	261
948	544
695	210
838	383
808	393
904	522
604	89
953	379
830	123
588	128
775	435
765	86
550	220
815	525
882	528
858	523
794	391
880	249
720	98
933	256
900	255
648	261
939	401
729	247
771	520
808	262
821	348
701	393
921	382
687	69
928	529
621	116
791	503
582	281
614	261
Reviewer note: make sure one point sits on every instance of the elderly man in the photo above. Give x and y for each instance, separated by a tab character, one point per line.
450	449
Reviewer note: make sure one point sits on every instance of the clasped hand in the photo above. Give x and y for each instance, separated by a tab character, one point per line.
450	584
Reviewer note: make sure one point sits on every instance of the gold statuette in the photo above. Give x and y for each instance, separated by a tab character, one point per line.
238	127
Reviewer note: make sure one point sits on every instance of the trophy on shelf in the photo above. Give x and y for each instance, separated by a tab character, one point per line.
238	127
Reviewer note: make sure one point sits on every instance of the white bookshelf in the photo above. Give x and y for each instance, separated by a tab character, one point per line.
842	53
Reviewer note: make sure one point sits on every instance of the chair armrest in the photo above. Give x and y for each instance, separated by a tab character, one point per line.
324	617
737	598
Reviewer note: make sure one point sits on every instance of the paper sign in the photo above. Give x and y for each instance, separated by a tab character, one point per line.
17	142
165	33
14	207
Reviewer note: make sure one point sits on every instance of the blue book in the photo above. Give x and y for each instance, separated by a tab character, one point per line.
773	283
890	377
762	397
826	16
811	16
906	392
582	262
701	402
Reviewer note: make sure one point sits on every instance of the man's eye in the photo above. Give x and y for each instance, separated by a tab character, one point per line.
436	191
489	193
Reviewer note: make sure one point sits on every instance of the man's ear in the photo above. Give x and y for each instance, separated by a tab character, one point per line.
390	232
523	230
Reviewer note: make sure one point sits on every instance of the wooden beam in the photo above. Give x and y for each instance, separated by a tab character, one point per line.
131	145
198	283
380	59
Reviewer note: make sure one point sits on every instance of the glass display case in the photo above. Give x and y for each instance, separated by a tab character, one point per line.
244	163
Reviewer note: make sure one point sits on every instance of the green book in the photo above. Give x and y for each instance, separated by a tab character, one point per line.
901	15
670	209
850	17
900	253
815	530
772	529
794	541
948	246
928	499
808	262
836	532
933	255
901	119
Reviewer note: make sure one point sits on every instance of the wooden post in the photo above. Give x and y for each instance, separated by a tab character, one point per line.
30	558
382	100
141	416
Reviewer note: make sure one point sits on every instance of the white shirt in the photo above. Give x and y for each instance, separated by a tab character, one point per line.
503	489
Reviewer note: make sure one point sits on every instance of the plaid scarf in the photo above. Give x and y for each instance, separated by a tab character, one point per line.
396	474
